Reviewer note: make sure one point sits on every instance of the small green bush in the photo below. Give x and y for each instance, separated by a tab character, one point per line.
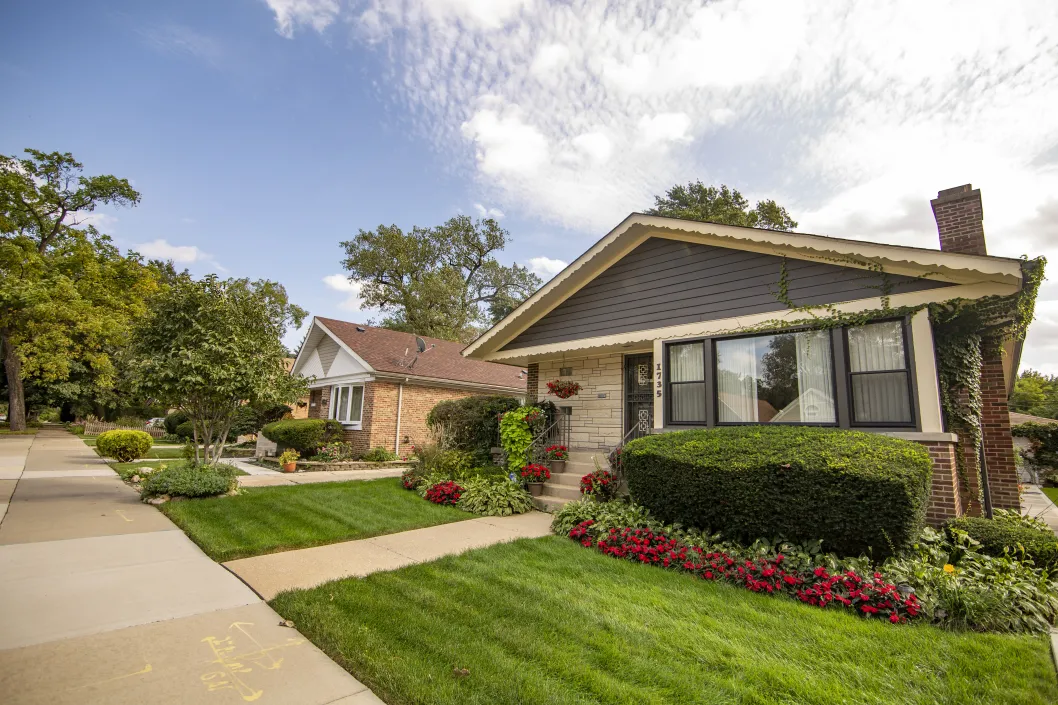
379	455
494	499
173	421
190	481
124	446
303	435
857	492
186	430
77	428
999	536
493	473
470	424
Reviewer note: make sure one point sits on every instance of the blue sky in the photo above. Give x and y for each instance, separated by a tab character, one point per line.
261	133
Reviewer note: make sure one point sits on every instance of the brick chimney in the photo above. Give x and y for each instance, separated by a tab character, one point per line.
960	218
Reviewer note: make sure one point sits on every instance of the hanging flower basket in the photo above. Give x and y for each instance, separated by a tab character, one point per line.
562	389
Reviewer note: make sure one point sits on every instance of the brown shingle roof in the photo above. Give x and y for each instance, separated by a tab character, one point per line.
1017	418
384	350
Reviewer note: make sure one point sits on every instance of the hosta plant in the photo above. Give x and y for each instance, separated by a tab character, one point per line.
503	498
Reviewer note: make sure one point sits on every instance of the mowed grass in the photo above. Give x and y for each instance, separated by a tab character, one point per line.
547	621
269	519
1051	492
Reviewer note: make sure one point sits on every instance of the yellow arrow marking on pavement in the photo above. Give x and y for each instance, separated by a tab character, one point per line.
121	513
146	669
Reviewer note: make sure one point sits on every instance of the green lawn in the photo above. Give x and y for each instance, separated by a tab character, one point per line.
1051	492
547	621
269	519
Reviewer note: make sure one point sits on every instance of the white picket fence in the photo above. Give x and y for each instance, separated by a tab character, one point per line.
94	428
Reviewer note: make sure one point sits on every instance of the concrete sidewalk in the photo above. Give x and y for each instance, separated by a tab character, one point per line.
1036	504
304	568
104	600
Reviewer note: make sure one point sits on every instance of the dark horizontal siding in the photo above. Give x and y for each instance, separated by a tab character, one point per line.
668	282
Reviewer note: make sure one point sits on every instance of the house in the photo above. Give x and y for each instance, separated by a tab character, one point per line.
381	387
672	324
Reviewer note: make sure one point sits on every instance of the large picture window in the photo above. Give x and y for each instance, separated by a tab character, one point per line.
879	377
784	378
347	403
687	383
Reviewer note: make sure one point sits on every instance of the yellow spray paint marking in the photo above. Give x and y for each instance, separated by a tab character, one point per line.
233	664
121	513
146	669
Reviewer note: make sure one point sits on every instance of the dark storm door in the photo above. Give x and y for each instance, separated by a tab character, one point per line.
639	395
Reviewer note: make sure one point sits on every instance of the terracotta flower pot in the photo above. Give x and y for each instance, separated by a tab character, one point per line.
558	466
290	467
536	488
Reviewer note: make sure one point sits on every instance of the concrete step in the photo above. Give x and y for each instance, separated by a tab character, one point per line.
585	456
549	504
561	491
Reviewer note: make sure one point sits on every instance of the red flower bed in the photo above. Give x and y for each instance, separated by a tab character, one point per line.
444	493
601	484
535	473
869	596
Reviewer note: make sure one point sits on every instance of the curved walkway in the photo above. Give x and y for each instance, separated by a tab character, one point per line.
104	600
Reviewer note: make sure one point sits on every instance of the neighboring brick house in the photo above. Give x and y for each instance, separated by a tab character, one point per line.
671	324
381	388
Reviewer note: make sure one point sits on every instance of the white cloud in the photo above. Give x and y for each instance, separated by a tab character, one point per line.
176	38
666	127
505	144
103	222
350	289
318	14
852	114
545	267
483	212
179	254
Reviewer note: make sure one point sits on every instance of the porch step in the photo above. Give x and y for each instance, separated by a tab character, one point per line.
585	456
561	491
549	504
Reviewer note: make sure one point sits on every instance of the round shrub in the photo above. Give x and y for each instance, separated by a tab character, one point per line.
472	423
173	422
996	536
857	492
303	435
185	430
124	446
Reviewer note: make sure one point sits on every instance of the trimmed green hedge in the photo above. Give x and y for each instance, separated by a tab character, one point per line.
858	492
124	446
1039	544
303	435
471	424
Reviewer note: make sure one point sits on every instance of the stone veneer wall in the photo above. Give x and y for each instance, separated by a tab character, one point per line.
596	422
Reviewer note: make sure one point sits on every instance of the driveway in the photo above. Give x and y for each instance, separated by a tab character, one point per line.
104	600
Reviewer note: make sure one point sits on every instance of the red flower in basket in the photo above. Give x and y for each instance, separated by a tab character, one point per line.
535	473
557	452
563	389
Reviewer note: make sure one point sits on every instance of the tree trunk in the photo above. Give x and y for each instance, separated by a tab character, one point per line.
16	394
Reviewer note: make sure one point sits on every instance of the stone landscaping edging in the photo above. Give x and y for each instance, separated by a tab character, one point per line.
325	466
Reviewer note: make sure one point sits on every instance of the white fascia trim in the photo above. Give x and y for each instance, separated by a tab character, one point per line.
915	261
324	382
308	336
453	383
343	346
734	325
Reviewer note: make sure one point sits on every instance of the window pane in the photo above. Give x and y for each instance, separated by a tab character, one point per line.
881	398
687	362
878	346
341	407
785	378
688	402
357	403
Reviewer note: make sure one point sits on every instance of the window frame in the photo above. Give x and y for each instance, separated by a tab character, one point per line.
833	380
707	353
908	371
332	404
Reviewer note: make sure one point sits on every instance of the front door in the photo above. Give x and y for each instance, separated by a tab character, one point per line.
639	395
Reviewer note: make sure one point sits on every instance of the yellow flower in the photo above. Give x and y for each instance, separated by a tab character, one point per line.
949	568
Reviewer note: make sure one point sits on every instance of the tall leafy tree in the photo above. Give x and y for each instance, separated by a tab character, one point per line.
67	294
1035	393
211	347
443	281
696	201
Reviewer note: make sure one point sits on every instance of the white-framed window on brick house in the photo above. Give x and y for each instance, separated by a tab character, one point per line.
347	404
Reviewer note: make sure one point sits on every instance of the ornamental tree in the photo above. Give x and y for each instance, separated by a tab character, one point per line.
67	295
696	201
211	346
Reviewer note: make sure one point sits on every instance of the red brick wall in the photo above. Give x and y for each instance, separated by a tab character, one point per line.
532	382
995	436
945	501
960	216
